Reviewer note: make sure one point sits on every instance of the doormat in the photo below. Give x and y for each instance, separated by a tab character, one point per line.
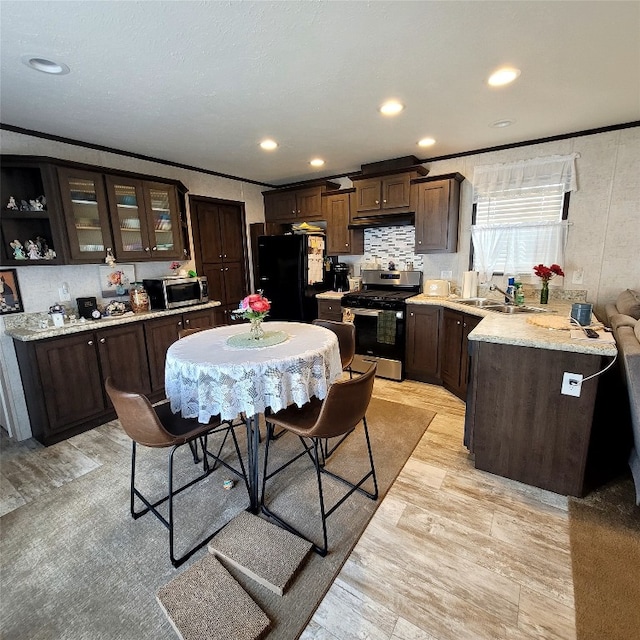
263	551
206	603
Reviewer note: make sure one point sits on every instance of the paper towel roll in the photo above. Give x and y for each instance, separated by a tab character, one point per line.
470	284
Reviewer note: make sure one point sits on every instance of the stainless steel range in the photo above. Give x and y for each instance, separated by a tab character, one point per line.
378	312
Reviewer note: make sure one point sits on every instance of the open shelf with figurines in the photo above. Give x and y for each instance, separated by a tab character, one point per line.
30	215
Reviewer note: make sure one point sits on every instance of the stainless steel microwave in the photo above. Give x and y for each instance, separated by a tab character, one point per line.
172	292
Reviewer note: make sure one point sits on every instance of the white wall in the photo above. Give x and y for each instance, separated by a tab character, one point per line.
604	238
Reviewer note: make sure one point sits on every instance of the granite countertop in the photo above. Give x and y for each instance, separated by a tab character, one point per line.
517	330
23	327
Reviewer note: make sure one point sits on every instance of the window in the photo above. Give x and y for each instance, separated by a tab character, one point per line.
520	212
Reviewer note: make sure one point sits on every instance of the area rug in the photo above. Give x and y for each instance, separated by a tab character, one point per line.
75	565
604	531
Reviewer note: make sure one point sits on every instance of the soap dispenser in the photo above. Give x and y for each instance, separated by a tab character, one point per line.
519	293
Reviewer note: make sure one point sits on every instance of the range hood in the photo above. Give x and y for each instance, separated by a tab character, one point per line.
383	220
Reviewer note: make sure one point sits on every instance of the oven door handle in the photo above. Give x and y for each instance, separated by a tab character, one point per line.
366	312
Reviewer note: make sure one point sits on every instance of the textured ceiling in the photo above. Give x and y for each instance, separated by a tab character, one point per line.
201	83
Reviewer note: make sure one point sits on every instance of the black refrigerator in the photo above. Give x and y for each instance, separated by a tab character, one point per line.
291	271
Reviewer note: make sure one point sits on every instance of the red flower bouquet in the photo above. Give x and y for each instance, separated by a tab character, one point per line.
254	308
546	273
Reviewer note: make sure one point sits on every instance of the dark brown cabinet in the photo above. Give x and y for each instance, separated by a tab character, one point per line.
161	333
329	310
27	180
63	378
423	346
454	346
145	219
389	192
340	239
220	251
437	201
295	204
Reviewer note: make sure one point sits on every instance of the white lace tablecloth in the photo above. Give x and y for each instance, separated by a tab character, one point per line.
204	376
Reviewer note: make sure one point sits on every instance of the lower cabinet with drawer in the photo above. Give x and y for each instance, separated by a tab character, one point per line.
63	378
329	310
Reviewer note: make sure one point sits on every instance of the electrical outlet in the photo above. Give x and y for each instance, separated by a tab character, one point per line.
578	276
571	384
63	292
446	275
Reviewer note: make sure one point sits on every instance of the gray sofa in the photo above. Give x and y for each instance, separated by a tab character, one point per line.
624	318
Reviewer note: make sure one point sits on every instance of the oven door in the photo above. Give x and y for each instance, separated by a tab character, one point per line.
380	336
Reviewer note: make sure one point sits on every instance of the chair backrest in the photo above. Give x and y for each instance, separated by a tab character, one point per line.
345	405
183	333
138	418
346	333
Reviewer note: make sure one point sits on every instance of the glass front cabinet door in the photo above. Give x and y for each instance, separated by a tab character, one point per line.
86	212
145	219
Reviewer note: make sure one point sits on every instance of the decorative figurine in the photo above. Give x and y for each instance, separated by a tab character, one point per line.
110	260
42	201
43	247
32	248
24	205
18	250
12	204
35	205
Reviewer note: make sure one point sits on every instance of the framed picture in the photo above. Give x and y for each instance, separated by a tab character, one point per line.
10	299
115	281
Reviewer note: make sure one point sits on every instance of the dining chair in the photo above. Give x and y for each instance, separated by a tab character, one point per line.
346	333
157	427
340	412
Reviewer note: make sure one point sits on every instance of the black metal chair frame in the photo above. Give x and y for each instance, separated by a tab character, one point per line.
315	452
207	470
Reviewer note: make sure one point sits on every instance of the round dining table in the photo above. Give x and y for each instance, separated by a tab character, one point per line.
223	371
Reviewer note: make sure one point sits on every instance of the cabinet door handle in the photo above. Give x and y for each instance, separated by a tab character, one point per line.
384	202
225	255
154	248
377	201
187	321
346	244
179	323
411	314
147	249
102	340
464	324
90	343
457	321
220	256
226	269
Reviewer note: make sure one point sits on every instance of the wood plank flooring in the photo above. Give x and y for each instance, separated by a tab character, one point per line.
452	553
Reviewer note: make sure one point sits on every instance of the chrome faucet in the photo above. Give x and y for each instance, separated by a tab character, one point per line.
495	287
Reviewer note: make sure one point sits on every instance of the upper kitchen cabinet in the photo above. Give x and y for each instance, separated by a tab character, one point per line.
84	201
137	219
437	202
145	219
340	239
296	204
385	192
30	213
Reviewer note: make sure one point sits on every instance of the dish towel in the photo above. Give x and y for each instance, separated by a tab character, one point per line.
387	327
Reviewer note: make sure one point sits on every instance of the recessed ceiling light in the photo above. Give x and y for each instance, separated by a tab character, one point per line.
45	65
500	124
391	108
426	142
503	76
316	162
269	145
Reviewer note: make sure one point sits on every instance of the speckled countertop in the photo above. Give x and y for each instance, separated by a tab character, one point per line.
517	330
25	327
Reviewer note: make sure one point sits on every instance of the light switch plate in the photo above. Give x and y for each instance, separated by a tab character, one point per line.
578	276
446	275
571	384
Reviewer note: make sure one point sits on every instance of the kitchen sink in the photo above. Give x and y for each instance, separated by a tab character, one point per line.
499	307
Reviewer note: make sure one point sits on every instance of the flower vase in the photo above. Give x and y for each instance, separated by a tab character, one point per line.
544	293
256	331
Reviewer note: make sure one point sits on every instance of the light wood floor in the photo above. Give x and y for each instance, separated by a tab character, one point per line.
452	553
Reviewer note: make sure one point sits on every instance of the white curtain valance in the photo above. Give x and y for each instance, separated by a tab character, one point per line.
525	177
